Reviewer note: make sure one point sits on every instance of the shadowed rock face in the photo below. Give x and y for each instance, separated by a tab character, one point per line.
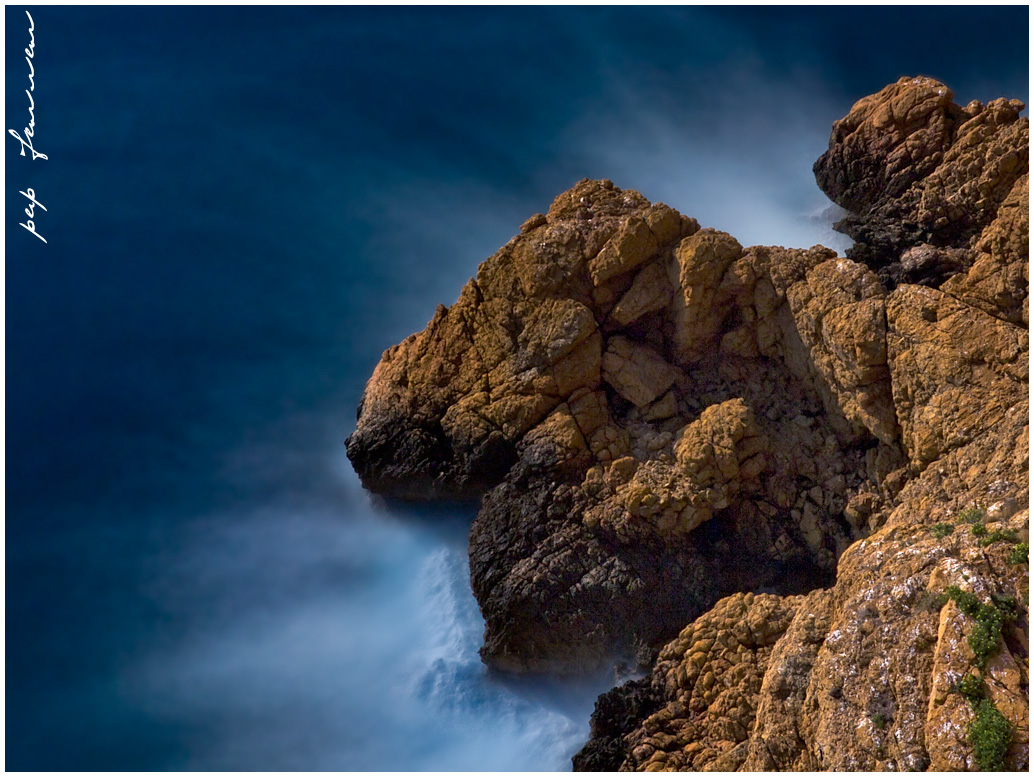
618	712
661	421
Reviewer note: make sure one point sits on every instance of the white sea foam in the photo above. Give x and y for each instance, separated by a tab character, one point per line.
342	640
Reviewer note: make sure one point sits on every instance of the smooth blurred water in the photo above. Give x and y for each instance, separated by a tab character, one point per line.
325	646
245	207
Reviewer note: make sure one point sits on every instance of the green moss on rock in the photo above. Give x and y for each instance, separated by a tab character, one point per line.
1020	554
990	733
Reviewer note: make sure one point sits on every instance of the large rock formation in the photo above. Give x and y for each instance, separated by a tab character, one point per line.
765	443
672	419
916	171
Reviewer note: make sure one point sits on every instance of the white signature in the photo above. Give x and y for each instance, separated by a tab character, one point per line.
31	129
30	132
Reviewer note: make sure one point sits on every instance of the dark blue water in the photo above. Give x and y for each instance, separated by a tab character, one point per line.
244	208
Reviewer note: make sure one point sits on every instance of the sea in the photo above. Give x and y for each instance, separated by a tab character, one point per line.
242	208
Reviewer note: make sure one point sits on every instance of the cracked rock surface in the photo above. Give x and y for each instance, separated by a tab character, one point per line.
913	169
667	428
655	416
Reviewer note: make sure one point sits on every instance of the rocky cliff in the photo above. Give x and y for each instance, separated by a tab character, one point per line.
818	463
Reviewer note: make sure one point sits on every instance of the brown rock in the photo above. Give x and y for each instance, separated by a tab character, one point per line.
912	167
696	312
955	371
709	678
659	420
998	280
840	317
630	247
636	372
649	293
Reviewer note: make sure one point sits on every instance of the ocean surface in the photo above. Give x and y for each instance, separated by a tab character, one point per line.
244	208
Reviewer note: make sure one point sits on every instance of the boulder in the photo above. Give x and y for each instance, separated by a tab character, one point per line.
912	167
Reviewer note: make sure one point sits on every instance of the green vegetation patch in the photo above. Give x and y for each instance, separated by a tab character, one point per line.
966	601
1008	606
972	515
984	638
989	620
990	733
1020	554
971	687
1002	535
879	720
979	530
941	530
